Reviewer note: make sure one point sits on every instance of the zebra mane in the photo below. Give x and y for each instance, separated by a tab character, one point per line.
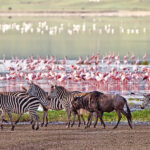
37	87
62	88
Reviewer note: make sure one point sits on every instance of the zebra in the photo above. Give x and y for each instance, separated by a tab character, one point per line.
15	93
52	103
66	98
19	105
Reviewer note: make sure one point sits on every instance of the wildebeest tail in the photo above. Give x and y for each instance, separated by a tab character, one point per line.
128	111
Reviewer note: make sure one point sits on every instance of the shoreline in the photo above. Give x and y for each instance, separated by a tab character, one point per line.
75	13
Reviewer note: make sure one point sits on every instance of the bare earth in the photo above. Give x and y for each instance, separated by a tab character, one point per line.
60	138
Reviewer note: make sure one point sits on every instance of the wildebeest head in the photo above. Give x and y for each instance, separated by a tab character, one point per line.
77	103
146	101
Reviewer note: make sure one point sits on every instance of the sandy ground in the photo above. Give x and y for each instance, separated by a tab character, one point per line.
59	138
74	13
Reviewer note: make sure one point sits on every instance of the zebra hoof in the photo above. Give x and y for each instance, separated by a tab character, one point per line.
42	124
45	125
1	127
37	128
67	126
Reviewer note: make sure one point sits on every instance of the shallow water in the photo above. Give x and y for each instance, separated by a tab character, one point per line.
74	36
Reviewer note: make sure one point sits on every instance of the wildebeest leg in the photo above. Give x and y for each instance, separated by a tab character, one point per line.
119	118
96	119
129	122
89	118
83	119
10	117
101	119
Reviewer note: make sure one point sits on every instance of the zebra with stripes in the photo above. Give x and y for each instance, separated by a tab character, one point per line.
16	93
19	105
66	98
53	103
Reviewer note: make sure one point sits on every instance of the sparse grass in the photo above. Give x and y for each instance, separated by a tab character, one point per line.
134	99
55	116
73	5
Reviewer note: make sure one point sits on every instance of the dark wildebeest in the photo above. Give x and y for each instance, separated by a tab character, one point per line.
146	101
83	102
101	103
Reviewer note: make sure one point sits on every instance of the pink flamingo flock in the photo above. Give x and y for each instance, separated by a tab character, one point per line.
106	73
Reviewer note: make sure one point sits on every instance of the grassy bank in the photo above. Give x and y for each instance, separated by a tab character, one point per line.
73	5
54	116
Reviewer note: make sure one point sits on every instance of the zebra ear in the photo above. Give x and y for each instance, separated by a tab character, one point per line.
29	82
24	89
52	86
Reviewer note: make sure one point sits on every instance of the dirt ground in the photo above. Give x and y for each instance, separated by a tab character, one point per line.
59	138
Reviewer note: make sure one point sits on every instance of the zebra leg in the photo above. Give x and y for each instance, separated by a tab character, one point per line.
68	114
1	118
74	116
18	119
43	119
32	119
37	121
10	117
46	118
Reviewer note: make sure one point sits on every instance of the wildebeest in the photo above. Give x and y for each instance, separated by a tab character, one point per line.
100	103
84	102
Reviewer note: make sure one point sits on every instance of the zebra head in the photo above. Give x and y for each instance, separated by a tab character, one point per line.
57	92
146	101
32	91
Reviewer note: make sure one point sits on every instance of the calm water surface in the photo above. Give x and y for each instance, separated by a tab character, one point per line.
74	36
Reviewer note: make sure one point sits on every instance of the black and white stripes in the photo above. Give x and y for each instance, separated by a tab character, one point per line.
19	105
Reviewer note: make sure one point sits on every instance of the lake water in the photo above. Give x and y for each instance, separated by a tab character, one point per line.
74	36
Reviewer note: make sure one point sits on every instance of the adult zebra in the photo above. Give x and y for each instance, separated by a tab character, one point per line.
66	98
20	105
15	93
52	103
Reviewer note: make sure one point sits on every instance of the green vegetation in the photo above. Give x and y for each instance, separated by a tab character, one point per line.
54	116
73	5
134	99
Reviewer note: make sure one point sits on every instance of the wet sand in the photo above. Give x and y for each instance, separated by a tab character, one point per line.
60	138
